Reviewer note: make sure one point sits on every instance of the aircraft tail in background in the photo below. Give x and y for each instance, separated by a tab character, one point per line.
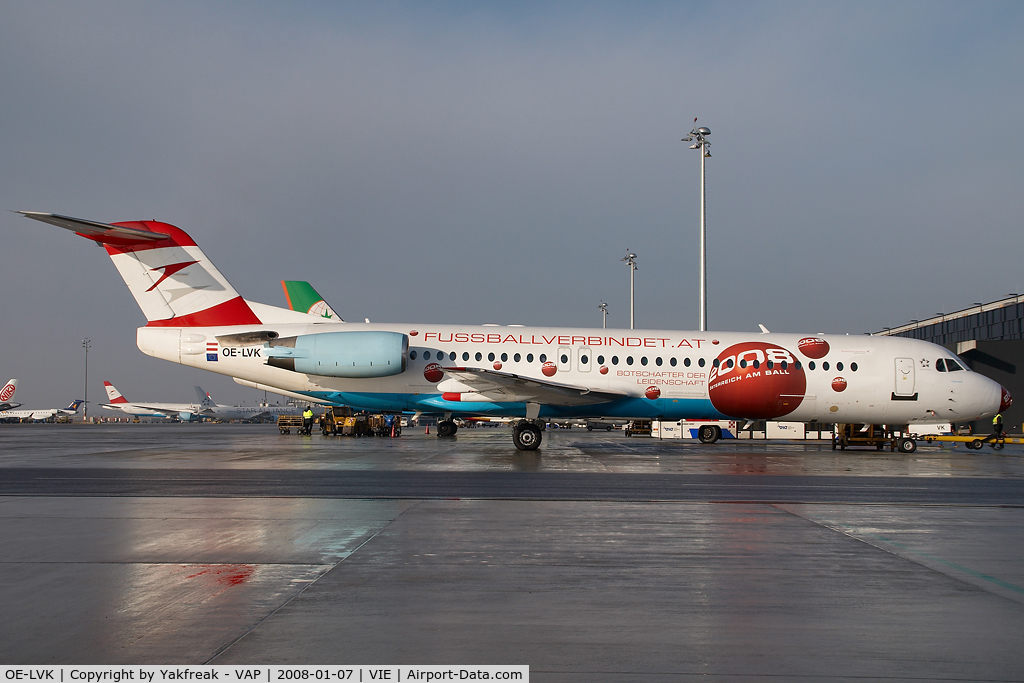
204	397
7	393
113	395
303	298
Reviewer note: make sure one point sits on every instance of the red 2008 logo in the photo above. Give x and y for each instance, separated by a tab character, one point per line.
756	380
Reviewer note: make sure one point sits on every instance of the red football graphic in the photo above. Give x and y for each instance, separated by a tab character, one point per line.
548	368
497	365
652	393
839	384
433	372
413	333
742	385
812	347
604	369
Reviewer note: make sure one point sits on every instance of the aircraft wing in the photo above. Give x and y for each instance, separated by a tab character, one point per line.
481	384
100	232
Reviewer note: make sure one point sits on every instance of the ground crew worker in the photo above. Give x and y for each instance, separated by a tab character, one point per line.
997	425
307	420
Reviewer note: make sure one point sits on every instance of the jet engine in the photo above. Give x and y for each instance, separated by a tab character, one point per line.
341	354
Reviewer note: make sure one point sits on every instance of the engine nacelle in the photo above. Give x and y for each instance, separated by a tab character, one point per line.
341	354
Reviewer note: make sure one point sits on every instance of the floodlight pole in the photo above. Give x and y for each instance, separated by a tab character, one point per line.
604	314
700	135
631	260
86	343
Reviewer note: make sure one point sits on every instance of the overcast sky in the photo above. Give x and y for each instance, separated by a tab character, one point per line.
492	162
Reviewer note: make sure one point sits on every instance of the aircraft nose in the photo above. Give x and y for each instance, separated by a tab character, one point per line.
1005	400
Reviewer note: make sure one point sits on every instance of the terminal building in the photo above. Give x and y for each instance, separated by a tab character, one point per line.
990	339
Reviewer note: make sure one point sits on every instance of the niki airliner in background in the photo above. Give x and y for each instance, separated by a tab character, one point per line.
196	318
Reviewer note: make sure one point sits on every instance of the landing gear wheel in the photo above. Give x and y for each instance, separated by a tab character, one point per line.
906	445
447	428
526	436
709	433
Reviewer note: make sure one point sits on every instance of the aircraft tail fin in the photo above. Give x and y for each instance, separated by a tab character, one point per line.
204	397
8	391
113	395
75	405
172	280
301	297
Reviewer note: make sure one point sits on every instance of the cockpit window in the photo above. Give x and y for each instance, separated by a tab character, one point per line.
940	365
952	365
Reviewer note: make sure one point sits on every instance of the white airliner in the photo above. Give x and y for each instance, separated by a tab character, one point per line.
186	412
206	407
41	413
7	393
196	318
239	412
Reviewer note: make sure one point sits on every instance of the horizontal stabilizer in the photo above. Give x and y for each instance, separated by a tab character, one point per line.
103	233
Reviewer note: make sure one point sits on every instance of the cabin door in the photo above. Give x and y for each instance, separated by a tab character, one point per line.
904	377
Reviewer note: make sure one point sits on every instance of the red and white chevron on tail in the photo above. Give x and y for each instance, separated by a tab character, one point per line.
173	282
113	394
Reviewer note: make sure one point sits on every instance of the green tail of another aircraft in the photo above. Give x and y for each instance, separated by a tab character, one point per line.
302	297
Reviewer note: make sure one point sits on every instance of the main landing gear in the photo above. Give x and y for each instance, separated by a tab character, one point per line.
526	435
447	428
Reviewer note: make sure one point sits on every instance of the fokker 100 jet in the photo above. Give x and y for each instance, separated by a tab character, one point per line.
196	318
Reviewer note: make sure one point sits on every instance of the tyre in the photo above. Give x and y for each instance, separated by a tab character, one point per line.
709	433
526	437
975	445
446	428
589	428
907	445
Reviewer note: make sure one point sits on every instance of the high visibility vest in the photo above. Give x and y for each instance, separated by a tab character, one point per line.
307	414
997	419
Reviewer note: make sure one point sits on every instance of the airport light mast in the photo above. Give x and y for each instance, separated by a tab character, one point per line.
699	138
630	258
604	314
86	343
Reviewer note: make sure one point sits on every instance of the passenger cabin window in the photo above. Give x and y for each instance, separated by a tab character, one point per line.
412	355
529	358
465	355
479	356
490	356
451	355
700	362
517	358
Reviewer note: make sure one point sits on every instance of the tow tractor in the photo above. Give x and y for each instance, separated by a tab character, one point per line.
976	441
880	436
